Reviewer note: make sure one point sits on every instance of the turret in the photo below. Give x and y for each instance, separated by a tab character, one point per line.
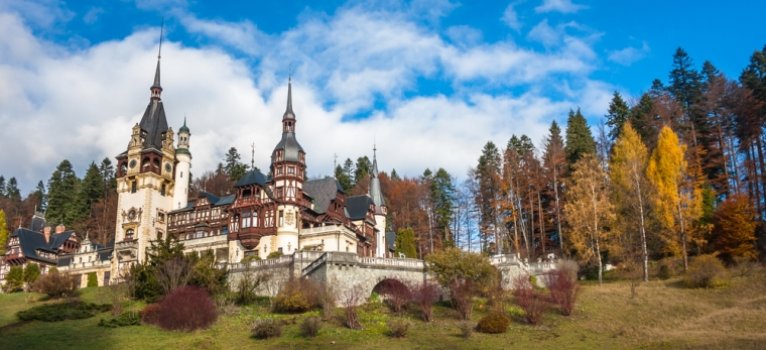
183	168
288	160
380	207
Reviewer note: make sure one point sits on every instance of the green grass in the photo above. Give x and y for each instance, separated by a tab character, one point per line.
662	316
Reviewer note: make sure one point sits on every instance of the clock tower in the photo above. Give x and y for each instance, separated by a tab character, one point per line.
145	184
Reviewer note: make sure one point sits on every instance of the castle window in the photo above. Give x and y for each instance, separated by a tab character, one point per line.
129	235
133	186
279	170
281	218
291	170
246	219
163	188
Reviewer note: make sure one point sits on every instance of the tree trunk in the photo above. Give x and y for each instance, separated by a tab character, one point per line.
542	223
531	227
683	238
644	253
761	169
595	234
558	211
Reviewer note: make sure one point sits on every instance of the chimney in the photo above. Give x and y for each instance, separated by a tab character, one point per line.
47	234
60	228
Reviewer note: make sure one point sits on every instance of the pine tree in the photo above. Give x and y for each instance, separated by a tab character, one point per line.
2	186
555	161
63	201
92	187
617	115
42	196
343	179
12	190
405	243
233	167
579	139
443	198
489	180
588	210
628	174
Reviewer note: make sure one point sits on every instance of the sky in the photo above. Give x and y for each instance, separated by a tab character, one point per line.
427	82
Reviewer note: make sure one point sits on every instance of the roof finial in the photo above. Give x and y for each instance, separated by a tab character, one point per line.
252	156
156	87
289	109
162	30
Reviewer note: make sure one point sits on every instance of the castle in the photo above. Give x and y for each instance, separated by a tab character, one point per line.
266	216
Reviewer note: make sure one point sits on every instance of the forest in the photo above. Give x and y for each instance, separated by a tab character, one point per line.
676	172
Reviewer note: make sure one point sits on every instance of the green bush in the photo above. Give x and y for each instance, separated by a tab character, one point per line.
266	328
494	322
274	255
310	326
31	273
397	328
74	310
92	279
704	272
14	280
123	320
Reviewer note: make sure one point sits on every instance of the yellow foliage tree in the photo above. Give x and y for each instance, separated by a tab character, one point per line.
735	228
3	232
627	170
588	210
678	196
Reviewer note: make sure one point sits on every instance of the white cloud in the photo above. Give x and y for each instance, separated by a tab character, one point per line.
79	104
563	6
629	55
545	34
511	17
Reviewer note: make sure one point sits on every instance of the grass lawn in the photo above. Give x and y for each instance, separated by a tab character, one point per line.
663	316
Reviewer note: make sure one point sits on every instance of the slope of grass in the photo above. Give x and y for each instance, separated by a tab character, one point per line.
662	316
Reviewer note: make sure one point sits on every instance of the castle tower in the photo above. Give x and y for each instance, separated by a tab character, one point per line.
145	183
183	168
288	169
380	208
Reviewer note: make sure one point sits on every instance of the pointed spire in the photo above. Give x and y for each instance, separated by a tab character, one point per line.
375	192
289	111
156	88
184	128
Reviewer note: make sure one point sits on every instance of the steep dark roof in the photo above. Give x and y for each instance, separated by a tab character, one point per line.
290	145
322	191
254	176
225	200
357	206
391	240
154	124
375	192
30	241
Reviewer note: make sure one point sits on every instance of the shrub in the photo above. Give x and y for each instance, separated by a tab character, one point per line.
123	320
274	255
570	267
664	272
425	295
248	285
266	328
186	308
73	310
563	290
466	329
206	274
395	293
31	273
352	298
528	299
461	296
397	328
704	272
56	284
452	264
494	322
150	313
92	279
298	295
14	280
310	326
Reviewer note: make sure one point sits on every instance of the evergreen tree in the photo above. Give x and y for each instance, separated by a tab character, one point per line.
63	201
343	179
395	175
685	81
233	167
488	176
554	161
579	139
3	232
31	273
617	115
92	187
107	173
405	243
42	196
442	197
2	186
12	190
362	170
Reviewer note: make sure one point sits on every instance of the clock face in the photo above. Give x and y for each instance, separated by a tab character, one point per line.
133	163
168	167
132	214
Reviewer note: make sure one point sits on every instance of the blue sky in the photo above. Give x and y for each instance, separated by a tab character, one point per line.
430	81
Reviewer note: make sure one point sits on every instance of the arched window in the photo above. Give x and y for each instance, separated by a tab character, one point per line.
129	234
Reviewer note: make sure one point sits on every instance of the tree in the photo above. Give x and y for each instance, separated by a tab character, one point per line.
2	186
92	187
443	198
42	196
31	273
12	190
579	139
666	172
233	167
452	264
617	115
489	181
343	179
628	174
63	199
554	161
588	210
14	280
405	243
3	232
734	232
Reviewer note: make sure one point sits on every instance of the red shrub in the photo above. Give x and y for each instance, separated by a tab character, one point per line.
528	299
563	290
150	313
425	295
461	295
396	293
186	308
